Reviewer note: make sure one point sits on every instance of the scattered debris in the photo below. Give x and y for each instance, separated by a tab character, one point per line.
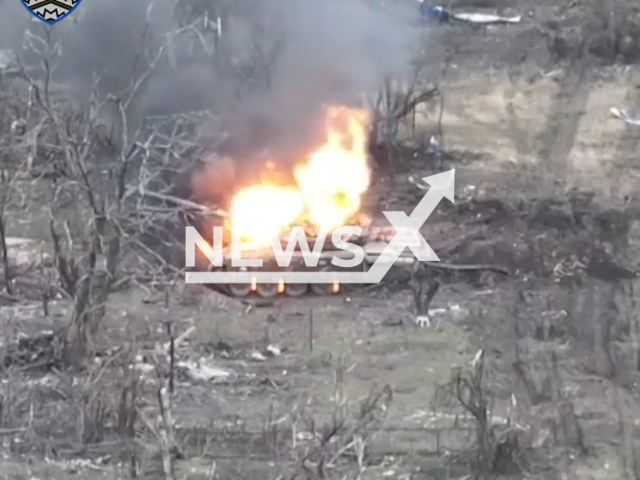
256	355
431	150
273	350
251	304
181	202
484	18
202	370
432	418
77	465
142	366
467	192
468	267
38	352
305	436
476	359
434	148
24	252
624	116
423	321
571	267
438	14
18	127
414	180
455	309
269	351
434	12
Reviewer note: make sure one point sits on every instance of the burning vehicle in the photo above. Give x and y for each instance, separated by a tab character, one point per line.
327	189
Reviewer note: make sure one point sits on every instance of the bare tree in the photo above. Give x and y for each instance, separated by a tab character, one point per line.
5	189
497	449
396	101
92	204
13	165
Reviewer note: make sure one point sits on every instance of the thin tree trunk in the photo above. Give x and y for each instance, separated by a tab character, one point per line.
4	250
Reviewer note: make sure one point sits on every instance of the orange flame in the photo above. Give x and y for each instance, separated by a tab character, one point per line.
330	184
337	174
260	210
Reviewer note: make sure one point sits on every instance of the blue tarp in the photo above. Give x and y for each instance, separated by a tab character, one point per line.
435	13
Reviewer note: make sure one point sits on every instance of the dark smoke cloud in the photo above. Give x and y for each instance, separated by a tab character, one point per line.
329	51
334	51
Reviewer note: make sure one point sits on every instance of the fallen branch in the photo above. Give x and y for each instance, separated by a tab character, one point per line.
472	267
181	202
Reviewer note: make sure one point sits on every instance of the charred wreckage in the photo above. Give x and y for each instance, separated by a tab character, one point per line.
329	190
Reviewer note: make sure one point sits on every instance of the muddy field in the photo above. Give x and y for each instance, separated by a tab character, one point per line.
349	386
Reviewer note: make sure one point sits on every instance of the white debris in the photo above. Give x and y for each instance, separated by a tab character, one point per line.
624	116
476	358
200	371
437	311
255	355
304	436
418	182
48	381
76	465
273	350
142	366
431	418
454	309
18	127
25	251
485	18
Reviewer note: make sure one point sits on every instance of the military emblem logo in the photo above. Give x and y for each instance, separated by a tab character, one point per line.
50	11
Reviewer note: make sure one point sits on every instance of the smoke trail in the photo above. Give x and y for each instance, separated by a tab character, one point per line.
279	61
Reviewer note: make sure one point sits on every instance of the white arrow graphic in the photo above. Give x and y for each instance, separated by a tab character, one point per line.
442	185
407	236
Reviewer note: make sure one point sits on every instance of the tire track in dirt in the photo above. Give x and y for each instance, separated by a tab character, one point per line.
560	131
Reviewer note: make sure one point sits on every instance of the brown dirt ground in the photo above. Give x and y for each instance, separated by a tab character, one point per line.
526	123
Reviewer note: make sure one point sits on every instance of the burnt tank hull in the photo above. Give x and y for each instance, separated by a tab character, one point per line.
373	242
